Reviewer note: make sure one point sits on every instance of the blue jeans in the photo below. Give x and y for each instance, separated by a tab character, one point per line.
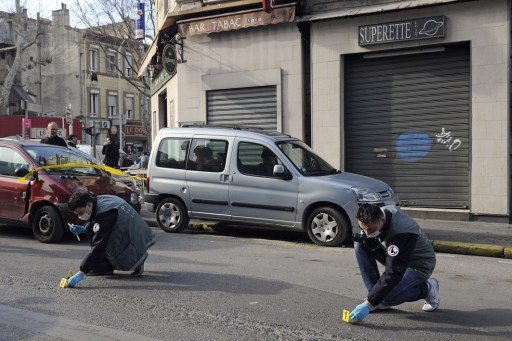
412	287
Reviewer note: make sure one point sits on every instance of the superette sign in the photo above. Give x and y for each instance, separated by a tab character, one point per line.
406	30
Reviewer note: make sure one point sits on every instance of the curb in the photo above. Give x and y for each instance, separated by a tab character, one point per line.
484	250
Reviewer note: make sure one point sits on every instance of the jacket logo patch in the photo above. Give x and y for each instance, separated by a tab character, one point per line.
95	227
393	250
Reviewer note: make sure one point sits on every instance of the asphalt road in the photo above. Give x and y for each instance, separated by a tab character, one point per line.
245	285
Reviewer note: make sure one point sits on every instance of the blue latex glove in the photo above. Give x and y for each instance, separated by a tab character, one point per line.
75	279
360	312
76	229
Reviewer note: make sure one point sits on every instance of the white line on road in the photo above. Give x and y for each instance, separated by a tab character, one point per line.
505	261
60	327
445	255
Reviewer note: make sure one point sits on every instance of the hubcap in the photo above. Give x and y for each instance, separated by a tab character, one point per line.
169	215
45	224
324	227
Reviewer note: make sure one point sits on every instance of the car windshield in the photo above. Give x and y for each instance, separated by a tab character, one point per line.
48	155
305	159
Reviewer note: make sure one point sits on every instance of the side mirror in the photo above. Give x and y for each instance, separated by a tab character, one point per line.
280	172
21	172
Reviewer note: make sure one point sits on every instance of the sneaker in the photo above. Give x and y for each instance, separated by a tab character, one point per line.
138	272
432	300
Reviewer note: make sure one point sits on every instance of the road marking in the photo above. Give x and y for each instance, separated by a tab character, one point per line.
445	255
505	261
59	327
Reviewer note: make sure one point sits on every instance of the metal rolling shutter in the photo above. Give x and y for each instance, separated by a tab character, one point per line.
255	107
396	111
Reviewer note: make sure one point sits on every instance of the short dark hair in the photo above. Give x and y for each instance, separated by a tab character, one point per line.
368	213
79	199
70	137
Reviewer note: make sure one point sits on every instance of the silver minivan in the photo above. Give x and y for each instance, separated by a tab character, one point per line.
248	175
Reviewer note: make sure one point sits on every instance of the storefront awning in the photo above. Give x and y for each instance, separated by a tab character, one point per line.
362	10
173	16
236	21
147	58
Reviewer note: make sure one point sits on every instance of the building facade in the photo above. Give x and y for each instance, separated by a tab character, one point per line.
77	72
413	93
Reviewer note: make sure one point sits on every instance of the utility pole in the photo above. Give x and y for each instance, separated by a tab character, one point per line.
119	97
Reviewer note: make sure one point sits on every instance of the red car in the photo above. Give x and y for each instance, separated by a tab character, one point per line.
41	201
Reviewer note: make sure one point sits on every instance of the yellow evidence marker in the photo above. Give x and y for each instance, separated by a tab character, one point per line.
64	281
345	317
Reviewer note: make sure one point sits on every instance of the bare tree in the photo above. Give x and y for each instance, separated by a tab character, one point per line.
111	21
25	38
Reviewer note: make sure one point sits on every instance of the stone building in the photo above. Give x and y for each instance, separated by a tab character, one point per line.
415	93
76	70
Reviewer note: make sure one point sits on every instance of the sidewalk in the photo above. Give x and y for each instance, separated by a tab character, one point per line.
472	238
458	237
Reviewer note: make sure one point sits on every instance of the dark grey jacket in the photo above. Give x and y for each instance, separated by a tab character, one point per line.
131	236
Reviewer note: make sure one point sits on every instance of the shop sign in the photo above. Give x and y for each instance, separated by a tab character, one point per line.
133	130
413	29
236	21
40	133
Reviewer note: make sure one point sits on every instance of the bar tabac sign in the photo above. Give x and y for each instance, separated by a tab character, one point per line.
413	29
236	21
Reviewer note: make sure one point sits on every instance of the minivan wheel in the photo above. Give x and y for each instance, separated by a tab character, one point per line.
171	216
326	226
47	225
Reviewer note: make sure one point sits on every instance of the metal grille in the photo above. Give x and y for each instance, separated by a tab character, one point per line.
407	123
256	107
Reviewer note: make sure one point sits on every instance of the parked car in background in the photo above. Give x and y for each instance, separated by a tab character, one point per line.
255	177
41	201
87	151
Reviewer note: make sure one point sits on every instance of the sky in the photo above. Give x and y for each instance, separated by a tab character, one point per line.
45	8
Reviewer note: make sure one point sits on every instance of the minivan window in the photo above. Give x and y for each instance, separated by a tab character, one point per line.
172	153
305	159
10	159
256	159
207	155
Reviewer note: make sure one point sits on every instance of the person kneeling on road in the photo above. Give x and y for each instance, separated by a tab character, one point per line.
407	255
119	237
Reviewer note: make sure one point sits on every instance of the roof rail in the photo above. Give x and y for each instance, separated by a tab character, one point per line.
222	126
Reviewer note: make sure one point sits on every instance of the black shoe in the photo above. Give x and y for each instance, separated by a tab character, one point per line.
138	272
100	273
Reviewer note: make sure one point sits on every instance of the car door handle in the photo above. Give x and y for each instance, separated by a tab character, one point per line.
225	178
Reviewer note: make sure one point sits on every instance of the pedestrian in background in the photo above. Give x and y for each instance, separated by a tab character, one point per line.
72	140
144	160
392	238
119	236
111	152
52	136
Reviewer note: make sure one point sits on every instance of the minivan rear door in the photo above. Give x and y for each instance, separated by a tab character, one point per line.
208	177
256	194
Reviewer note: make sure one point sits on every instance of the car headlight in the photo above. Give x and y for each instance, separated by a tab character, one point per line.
366	195
134	198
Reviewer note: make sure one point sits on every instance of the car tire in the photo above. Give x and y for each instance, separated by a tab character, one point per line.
171	215
326	226
47	225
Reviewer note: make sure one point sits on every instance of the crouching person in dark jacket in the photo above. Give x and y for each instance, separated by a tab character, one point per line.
119	237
